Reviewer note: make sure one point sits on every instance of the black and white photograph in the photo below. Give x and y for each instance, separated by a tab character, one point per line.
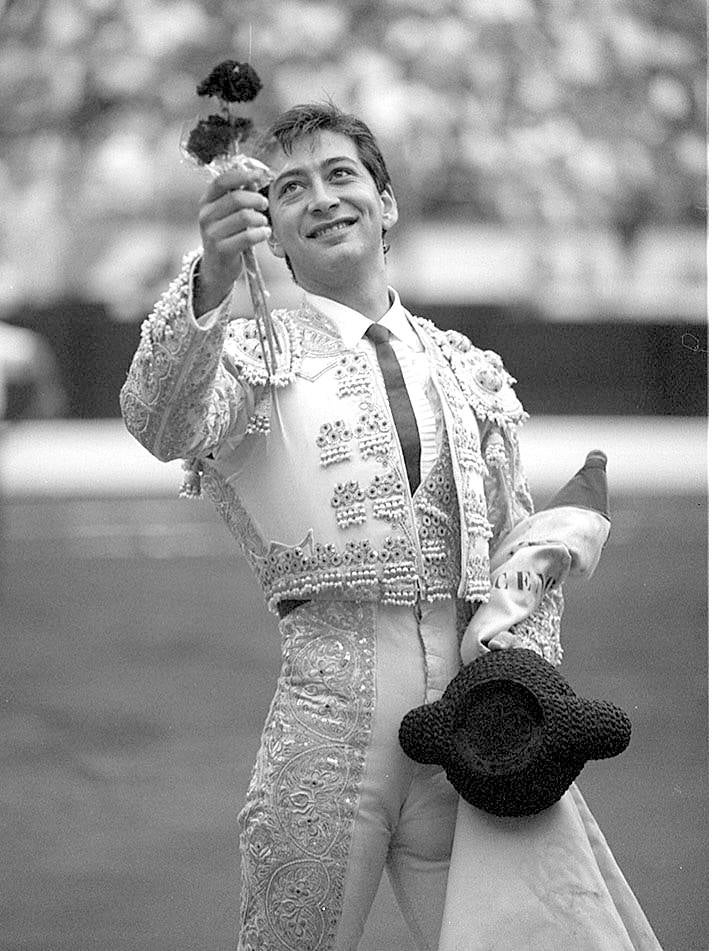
353	475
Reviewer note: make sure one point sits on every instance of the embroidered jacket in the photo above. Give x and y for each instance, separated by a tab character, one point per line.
307	470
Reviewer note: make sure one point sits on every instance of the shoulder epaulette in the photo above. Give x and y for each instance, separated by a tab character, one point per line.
481	376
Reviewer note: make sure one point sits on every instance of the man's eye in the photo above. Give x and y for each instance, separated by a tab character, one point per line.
341	172
288	188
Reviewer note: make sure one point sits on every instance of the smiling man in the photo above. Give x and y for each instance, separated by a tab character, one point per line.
328	217
366	483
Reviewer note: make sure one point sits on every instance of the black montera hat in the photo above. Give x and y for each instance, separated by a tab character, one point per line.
511	733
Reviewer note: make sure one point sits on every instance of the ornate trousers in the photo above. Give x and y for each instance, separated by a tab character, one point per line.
333	799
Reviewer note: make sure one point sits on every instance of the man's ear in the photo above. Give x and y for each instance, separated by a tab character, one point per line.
390	208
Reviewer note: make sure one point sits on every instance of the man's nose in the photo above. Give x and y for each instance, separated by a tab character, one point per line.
322	198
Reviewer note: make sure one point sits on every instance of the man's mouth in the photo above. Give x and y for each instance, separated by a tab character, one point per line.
331	227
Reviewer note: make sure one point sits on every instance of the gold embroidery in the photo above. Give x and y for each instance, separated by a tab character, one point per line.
348	504
297	823
334	441
387	495
373	433
353	375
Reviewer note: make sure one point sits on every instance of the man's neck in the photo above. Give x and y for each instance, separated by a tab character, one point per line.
370	297
373	307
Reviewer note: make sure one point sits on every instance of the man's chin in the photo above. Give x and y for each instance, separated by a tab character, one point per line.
332	258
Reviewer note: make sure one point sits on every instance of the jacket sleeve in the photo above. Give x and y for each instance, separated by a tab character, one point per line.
182	397
509	501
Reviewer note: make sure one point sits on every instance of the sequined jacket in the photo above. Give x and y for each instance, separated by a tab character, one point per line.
307	470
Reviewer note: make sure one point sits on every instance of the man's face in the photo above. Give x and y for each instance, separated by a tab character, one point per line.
327	215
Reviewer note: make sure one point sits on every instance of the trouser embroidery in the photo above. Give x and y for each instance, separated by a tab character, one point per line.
297	823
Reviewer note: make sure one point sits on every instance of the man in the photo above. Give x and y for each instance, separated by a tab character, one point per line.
365	484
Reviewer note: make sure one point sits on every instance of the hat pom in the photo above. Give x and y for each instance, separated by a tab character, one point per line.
425	733
607	727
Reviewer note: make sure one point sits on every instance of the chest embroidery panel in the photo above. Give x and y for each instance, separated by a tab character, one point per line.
429	529
383	545
357	381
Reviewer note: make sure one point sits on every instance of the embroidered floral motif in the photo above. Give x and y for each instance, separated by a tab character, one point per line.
236	517
465	432
359	571
243	349
541	631
261	418
360	553
353	375
438	530
496	361
334	441
480	376
178	398
451	390
373	433
297	823
477	580
170	309
304	787
387	495
164	336
319	336
314	569
457	340
258	423
400	575
490	379
332	717
348	504
499	473
467	446
297	892
495	454
477	521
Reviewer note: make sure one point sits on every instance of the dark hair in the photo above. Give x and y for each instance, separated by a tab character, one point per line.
311	117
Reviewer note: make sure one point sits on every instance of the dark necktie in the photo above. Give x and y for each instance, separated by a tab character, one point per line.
401	407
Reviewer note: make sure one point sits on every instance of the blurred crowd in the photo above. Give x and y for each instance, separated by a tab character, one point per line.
510	113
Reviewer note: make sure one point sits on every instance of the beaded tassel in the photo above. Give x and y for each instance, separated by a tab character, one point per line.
191	487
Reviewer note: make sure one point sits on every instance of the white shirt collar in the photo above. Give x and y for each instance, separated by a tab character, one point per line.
352	325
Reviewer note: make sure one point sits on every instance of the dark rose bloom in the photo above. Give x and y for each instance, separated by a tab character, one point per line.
214	136
232	82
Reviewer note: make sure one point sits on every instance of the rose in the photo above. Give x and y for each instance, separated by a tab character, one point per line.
232	82
216	136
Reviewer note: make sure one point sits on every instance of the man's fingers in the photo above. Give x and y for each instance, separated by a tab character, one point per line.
230	204
235	200
232	179
503	641
246	239
235	224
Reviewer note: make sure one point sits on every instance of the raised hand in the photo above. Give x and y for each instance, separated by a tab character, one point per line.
232	220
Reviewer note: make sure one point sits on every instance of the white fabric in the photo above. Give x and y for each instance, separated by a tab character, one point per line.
410	353
406	811
542	883
583	531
